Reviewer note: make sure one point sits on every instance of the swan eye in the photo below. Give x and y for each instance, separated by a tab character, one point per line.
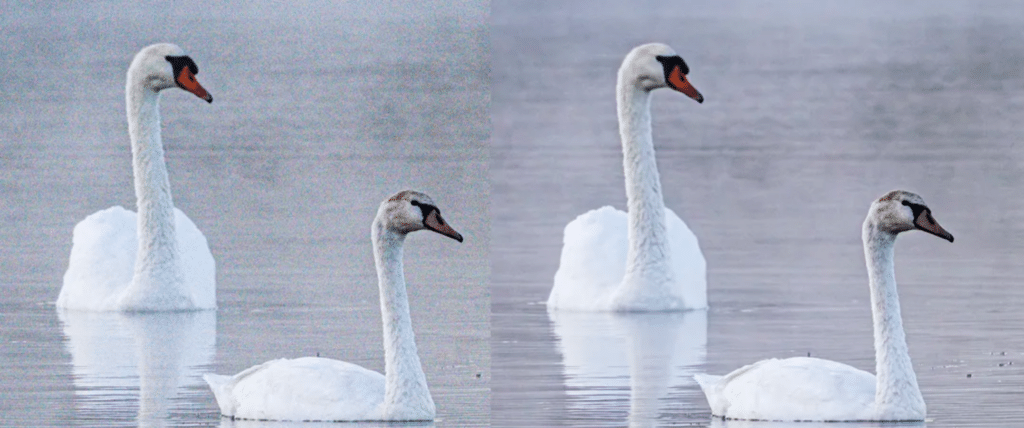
414	203
669	62
915	208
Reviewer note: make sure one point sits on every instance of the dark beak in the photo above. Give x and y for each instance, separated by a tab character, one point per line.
927	223
437	224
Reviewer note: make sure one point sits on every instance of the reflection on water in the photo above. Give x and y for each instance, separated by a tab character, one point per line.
229	423
813	109
322	109
150	359
719	423
610	358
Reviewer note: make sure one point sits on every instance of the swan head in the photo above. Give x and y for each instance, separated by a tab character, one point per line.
656	65
408	211
900	211
163	66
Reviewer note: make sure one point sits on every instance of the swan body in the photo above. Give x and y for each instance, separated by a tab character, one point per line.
593	262
155	260
813	389
645	259
103	259
322	389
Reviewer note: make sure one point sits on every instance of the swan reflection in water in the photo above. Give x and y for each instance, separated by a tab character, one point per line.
721	423
607	355
149	358
226	422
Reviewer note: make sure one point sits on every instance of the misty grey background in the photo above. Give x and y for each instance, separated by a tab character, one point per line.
813	110
321	110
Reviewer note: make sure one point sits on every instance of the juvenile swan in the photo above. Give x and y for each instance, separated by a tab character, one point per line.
157	260
321	389
614	261
811	389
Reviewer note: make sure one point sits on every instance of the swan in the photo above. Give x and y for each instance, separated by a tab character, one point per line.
157	260
322	389
812	389
635	262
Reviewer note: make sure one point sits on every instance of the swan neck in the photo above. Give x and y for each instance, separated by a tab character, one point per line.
896	392
648	241
405	388
156	264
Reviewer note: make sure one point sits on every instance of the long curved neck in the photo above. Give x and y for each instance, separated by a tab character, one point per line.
405	393
896	389
648	241
156	264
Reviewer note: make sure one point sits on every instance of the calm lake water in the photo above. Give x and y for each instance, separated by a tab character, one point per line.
813	110
321	110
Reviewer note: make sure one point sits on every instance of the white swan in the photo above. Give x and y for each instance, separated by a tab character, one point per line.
157	260
321	389
614	261
812	389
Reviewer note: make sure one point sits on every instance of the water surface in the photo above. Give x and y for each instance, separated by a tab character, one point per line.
813	109
321	110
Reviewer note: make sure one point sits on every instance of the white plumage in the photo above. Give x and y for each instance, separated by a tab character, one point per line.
156	260
812	389
322	389
645	259
310	388
593	262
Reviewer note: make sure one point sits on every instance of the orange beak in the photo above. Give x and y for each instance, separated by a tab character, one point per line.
677	80
187	81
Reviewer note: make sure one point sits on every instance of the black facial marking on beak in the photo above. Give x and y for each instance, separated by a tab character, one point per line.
432	220
185	71
668	62
924	221
675	76
179	62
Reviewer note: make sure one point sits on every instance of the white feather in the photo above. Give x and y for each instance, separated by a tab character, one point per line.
646	259
154	261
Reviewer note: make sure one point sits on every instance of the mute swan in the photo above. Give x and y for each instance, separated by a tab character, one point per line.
321	389
157	260
812	389
614	261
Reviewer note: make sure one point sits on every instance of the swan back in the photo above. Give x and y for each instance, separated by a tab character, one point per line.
301	389
102	262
